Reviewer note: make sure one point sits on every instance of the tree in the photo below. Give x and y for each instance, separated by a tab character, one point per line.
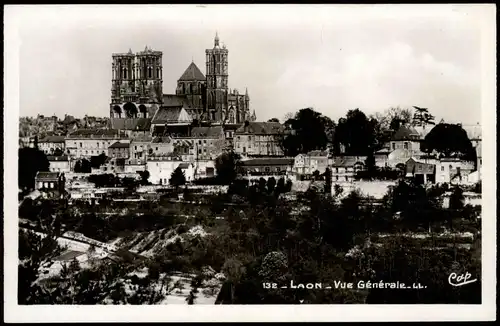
31	161
449	140
457	198
144	177
58	152
97	161
271	184
328	181
308	130
83	166
315	175
422	117
177	178
273	120
370	165
356	134
280	186
393	117
227	166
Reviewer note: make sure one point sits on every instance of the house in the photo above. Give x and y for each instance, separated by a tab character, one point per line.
59	163
50	184
453	170
119	150
140	148
258	139
306	164
85	143
207	142
270	166
50	144
161	146
204	169
382	157
422	172
406	138
160	168
344	168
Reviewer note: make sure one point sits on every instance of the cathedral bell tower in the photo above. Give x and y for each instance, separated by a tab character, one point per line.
217	81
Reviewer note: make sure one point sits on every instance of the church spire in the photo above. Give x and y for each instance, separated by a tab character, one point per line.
216	41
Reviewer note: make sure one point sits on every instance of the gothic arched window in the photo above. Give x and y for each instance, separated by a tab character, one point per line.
149	72
124	73
157	72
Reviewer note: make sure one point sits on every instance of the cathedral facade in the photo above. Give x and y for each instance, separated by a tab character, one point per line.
137	83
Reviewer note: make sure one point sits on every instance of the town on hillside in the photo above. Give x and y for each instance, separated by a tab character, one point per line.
189	198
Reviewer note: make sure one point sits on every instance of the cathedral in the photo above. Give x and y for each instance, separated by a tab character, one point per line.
137	98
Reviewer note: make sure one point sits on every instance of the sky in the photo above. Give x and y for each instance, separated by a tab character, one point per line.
328	57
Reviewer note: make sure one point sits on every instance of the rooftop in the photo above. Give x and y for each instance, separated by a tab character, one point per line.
119	145
96	133
171	115
53	139
51	176
183	165
406	133
192	73
268	161
317	153
347	161
207	132
415	167
260	128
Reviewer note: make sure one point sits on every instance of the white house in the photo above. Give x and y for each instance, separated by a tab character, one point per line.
59	163
160	169
453	170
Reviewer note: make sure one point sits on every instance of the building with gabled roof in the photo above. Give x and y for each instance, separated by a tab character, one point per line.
259	139
50	144
50	184
85	143
59	163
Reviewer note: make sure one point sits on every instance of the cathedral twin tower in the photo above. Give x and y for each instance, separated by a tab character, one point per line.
137	83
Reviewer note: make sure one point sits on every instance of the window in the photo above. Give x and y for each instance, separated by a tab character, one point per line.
135	147
278	169
204	150
267	169
81	145
156	148
45	184
204	142
98	145
51	185
405	145
393	146
442	168
199	142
